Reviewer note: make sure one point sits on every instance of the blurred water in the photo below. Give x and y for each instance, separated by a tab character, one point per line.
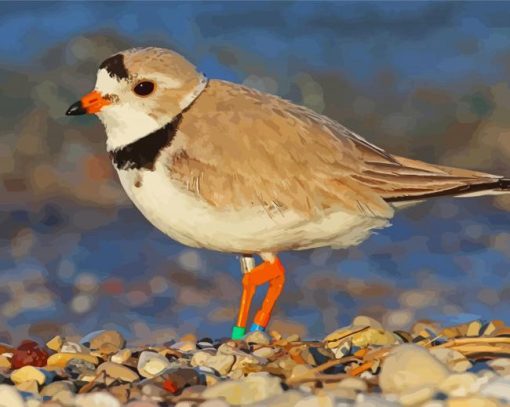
424	79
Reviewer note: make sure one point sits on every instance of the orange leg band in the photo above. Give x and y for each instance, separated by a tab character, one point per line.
272	272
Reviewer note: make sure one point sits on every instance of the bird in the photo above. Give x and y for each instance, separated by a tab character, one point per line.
221	166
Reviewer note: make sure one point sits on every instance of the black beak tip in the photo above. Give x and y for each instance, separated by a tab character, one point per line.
76	109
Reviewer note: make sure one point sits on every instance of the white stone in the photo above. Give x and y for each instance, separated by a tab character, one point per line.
97	399
369	400
459	385
258	337
500	365
73	347
288	398
121	356
221	363
317	401
455	360
251	389
409	367
151	364
9	397
498	388
415	396
363	320
353	383
213	403
242	358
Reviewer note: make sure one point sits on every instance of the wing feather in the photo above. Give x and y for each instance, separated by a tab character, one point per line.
247	148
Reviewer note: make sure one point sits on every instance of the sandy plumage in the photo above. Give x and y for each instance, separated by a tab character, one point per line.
245	148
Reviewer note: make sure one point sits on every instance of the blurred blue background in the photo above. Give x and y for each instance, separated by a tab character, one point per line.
427	80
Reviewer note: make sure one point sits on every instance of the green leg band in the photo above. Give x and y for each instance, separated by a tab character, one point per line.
238	332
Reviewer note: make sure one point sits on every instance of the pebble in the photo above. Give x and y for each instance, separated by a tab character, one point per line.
300	371
143	403
257	337
118	372
459	385
55	344
54	388
342	350
265	352
121	356
332	389
61	359
33	402
220	363
415	396
78	367
455	360
123	392
151	364
5	362
98	399
152	391
27	374
109	340
369	400
73	347
242	359
409	367
353	383
10	397
214	403
474	401
474	328
498	388
293	338
30	386
251	389
65	398
364	338
317	401
29	353
363	320
501	366
185	346
286	399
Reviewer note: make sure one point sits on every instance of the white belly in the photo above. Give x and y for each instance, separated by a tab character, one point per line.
193	222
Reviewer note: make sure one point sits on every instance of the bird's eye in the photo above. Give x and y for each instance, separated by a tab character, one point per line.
144	88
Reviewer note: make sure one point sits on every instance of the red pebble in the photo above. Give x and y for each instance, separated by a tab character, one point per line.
29	353
170	386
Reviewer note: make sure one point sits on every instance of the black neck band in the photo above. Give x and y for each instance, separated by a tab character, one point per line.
144	152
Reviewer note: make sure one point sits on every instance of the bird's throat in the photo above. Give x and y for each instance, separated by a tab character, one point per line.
142	154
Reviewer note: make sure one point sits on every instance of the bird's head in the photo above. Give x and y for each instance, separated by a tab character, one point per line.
139	91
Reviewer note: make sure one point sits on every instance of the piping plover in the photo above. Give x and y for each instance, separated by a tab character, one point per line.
220	166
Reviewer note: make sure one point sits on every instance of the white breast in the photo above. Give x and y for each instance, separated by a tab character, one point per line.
191	221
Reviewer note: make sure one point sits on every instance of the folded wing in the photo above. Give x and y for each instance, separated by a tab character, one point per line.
245	148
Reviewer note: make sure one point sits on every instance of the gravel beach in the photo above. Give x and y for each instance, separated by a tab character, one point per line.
362	364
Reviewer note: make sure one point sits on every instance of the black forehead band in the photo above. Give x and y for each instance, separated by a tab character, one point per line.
115	66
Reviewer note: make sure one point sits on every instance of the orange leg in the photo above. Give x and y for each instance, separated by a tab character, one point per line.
269	271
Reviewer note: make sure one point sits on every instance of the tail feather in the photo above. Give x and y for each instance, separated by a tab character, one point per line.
499	186
411	180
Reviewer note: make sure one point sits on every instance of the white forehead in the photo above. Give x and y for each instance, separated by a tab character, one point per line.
110	84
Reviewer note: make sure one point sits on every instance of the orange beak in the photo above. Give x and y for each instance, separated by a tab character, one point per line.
91	103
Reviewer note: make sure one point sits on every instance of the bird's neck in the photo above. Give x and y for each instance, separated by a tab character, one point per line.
142	153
